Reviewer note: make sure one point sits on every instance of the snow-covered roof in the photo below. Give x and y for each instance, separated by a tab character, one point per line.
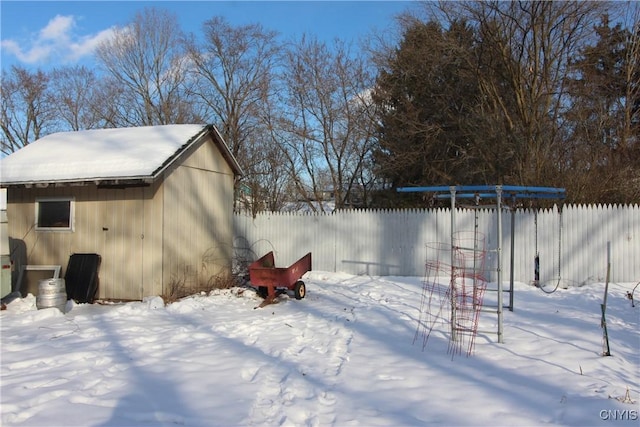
120	154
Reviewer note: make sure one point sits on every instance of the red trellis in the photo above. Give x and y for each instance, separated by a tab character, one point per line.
465	302
453	290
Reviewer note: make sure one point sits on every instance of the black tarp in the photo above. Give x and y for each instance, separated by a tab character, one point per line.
81	277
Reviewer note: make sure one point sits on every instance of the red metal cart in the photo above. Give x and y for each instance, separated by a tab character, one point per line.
271	281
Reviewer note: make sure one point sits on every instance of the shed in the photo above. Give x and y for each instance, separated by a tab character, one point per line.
155	202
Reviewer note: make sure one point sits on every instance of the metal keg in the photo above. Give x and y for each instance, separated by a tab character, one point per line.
52	293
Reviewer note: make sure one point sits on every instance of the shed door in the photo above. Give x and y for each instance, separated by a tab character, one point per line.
121	271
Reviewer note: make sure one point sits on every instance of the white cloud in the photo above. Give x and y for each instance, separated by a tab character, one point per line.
57	42
58	28
86	45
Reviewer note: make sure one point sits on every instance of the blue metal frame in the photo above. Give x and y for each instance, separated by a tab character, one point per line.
499	192
489	191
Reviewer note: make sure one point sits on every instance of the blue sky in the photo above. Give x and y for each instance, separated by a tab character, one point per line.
44	34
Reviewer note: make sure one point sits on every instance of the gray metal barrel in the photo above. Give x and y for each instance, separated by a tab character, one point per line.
52	293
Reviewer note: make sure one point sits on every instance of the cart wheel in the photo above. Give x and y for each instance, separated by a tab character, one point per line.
263	291
300	290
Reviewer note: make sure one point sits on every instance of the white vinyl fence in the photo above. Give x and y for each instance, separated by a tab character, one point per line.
571	241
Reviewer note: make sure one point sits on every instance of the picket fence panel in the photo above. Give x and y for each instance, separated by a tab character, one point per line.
571	241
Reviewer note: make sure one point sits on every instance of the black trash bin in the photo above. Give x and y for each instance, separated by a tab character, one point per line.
81	277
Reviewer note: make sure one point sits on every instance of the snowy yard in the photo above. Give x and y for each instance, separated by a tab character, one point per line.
344	356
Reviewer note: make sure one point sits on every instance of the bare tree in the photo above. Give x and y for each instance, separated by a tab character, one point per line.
536	40
232	71
75	93
526	48
146	65
233	68
506	97
26	111
325	125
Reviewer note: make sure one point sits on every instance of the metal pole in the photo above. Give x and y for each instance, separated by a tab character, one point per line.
475	257
499	261
452	283
513	244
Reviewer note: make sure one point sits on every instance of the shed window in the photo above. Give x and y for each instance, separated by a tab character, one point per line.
54	214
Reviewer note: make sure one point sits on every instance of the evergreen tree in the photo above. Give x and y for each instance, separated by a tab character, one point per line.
425	96
604	120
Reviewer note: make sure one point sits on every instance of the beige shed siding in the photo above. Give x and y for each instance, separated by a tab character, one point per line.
152	240
41	247
109	222
198	206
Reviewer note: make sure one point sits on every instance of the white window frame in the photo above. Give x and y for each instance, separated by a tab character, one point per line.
72	203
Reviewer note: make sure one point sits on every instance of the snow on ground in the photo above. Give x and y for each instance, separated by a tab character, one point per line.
343	356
